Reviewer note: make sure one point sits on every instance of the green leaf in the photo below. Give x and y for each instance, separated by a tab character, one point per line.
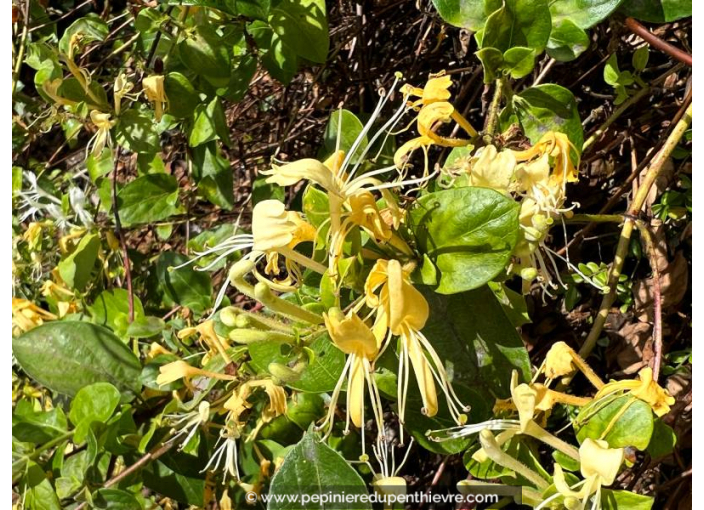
640	58
149	198
302	25
65	356
150	164
549	107
583	13
349	128
312	468
278	58
39	494
100	166
565	461
91	27
663	440
469	14
611	71
76	268
567	41
513	303
519	61
518	23
624	500
625	421
163	479
213	174
183	98
16	179
92	403
136	131
209	123
657	11
319	376
111	309
476	341
37	427
492	60
469	233
206	54
240	79
305	408
315	206
145	327
184	286
115	499
256	9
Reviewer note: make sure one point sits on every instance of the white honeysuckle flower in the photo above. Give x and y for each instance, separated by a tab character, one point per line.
225	457
77	199
189	423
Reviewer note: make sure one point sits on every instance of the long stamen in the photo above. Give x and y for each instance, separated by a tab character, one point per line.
409	182
327	423
368	125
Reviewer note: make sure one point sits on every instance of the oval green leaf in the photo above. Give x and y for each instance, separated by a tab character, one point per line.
469	233
66	356
313	469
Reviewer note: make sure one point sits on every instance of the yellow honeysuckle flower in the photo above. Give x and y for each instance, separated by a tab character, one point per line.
403	310
352	336
428	117
561	360
65	299
122	88
225	502
275	232
599	466
558	361
156	349
437	88
153	87
55	290
176	370
351	200
238	401
531	398
33	234
51	88
645	388
492	169
101	138
26	315
558	147
214	342
273	227
597	459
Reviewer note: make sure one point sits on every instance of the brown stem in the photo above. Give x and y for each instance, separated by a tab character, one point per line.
23	46
121	237
647	238
658	43
633	211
